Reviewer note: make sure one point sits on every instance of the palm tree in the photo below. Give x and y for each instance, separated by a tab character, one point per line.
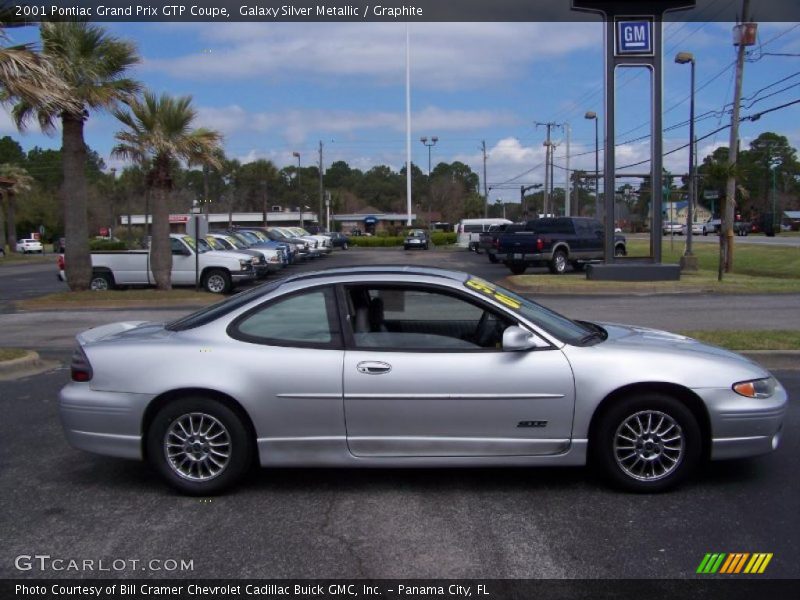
18	182
26	75
159	130
93	65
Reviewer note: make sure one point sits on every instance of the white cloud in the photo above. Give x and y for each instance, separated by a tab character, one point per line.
443	55
296	125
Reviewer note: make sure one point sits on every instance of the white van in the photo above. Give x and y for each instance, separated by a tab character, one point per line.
469	231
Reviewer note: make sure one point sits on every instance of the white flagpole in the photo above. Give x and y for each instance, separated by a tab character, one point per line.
408	126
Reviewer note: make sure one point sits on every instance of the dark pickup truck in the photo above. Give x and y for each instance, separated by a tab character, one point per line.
555	243
488	239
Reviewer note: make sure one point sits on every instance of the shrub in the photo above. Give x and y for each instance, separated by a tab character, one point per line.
106	245
442	238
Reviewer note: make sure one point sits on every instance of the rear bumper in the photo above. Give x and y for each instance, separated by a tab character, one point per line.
107	423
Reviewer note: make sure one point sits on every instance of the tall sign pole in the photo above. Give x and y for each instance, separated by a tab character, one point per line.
633	38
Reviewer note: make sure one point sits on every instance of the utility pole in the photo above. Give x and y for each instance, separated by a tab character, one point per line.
206	199
567	209
485	189
548	162
321	193
726	233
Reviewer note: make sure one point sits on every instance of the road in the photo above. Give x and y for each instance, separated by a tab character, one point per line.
500	523
671	312
514	523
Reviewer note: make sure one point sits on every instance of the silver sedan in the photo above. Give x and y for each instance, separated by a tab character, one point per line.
404	367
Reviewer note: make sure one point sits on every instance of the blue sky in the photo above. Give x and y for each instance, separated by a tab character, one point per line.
275	88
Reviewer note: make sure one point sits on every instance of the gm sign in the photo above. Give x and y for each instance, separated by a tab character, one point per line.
634	37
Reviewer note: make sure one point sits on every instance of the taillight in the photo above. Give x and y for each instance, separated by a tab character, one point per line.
496	243
80	368
540	244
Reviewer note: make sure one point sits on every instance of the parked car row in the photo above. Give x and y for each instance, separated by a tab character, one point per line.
219	261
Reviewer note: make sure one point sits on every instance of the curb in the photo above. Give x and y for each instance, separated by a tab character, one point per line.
779	360
30	364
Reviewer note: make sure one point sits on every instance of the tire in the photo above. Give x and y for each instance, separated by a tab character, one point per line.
493	259
627	466
558	264
620	251
344	246
517	268
191	470
101	282
217	281
425	247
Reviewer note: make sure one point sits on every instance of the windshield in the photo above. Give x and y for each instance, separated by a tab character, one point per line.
248	237
235	243
559	326
192	243
214	243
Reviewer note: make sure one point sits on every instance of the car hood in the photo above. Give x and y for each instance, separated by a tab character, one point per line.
632	336
226	254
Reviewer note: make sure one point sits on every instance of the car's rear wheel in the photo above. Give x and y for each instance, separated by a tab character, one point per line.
558	264
101	282
344	246
647	443
217	281
619	250
199	446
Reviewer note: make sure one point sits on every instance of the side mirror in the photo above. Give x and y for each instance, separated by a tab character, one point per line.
516	338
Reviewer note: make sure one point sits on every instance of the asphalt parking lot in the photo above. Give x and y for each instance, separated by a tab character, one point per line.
472	523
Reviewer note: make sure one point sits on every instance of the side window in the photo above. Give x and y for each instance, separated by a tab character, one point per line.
177	246
305	319
409	318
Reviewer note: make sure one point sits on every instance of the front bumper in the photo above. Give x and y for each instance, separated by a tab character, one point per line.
107	423
239	276
742	427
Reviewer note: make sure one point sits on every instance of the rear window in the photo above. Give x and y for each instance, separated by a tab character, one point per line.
473	228
220	309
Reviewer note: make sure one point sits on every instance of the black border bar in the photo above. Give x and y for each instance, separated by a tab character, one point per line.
711	587
222	11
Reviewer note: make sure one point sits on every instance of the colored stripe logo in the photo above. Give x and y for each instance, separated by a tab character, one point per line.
734	563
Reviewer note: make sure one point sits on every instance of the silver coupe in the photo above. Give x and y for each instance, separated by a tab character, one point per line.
405	367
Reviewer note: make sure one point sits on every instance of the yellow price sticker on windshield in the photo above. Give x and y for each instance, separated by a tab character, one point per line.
488	289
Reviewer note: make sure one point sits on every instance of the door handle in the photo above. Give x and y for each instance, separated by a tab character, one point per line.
373	367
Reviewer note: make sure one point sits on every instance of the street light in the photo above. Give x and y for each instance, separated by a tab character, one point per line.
592	116
299	195
424	140
683	58
774	163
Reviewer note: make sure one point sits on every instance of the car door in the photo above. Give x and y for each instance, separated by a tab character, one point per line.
419	380
183	263
292	354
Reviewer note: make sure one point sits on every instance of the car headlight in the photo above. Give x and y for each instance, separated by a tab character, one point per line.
245	264
756	388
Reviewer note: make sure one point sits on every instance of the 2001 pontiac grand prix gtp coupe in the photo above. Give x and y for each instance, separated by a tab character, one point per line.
402	366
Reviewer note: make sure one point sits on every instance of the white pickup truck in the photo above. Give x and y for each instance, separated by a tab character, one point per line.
219	271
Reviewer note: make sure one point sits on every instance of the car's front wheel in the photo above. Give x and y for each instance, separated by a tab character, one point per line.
647	443
199	446
217	281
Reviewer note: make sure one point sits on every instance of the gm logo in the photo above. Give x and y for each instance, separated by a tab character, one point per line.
735	563
634	37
